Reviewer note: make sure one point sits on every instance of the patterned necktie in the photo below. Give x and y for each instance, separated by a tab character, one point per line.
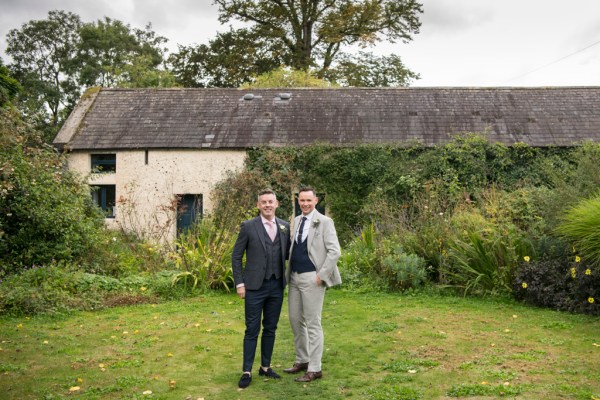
271	230
299	239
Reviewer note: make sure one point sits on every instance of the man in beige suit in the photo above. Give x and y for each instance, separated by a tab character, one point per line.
312	268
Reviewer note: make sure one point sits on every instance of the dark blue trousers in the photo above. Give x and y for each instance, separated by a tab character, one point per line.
265	302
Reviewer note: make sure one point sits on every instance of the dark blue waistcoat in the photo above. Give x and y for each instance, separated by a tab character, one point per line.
299	260
274	259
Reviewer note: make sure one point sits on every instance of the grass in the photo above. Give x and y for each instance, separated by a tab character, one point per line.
377	346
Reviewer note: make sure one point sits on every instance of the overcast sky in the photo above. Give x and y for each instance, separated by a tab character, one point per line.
461	42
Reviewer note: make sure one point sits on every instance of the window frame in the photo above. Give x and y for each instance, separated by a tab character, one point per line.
105	197
103	163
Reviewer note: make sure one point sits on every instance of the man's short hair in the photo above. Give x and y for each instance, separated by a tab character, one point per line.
307	189
266	191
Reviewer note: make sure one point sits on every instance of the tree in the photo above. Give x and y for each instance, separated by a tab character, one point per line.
314	32
111	54
141	73
229	60
9	87
42	53
367	70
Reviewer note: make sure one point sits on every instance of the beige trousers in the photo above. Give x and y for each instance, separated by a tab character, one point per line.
305	303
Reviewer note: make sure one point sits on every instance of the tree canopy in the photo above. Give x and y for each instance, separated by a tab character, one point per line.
109	48
56	58
42	53
315	33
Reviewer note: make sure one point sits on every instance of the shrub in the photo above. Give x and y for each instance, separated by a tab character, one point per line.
476	245
203	257
372	262
358	260
581	226
403	271
44	290
121	254
60	288
46	213
566	284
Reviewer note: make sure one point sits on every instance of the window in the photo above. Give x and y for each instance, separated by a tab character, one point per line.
189	211
104	163
104	197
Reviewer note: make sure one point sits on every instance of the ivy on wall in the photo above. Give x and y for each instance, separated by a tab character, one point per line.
359	179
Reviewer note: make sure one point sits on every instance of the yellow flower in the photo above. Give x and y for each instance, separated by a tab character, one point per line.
588	271
526	258
573	272
577	259
591	300
524	285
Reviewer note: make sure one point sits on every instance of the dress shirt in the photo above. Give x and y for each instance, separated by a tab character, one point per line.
307	226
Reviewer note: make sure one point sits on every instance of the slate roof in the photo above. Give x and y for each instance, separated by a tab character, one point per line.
234	118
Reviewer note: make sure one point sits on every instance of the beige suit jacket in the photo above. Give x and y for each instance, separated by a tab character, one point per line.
323	248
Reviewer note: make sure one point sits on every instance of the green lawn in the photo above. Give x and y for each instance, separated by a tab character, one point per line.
378	346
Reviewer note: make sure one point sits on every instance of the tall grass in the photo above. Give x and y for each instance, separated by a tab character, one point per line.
203	256
581	225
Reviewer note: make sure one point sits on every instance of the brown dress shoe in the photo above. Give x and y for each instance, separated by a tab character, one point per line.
297	367
309	377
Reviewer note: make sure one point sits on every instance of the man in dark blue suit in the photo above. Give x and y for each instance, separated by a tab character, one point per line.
266	242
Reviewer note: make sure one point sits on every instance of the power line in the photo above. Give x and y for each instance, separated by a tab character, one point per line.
551	63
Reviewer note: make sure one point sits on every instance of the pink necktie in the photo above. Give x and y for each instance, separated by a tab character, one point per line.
271	230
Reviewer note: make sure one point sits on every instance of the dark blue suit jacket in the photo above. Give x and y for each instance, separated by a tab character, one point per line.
251	240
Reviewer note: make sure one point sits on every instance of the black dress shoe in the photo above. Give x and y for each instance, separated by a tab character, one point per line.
309	377
245	380
297	367
269	373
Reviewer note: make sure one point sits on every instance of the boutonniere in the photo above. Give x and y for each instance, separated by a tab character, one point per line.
282	228
316	223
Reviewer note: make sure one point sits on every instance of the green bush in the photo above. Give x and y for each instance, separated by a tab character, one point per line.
373	262
45	290
46	213
120	254
60	288
403	271
358	260
203	257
